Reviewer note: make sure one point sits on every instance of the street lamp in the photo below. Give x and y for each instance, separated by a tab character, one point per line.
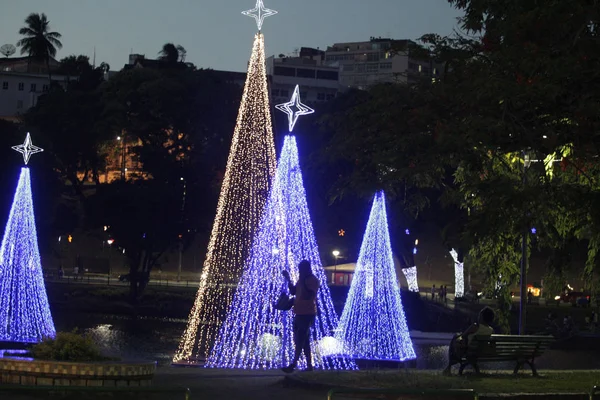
527	161
123	163
110	242
336	254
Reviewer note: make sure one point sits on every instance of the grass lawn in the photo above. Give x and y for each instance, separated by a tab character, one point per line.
548	382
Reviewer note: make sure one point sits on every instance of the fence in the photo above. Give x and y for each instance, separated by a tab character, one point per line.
105	280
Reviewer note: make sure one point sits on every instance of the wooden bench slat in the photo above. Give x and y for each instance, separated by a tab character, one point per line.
499	348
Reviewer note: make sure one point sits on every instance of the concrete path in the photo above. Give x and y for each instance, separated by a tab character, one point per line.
208	384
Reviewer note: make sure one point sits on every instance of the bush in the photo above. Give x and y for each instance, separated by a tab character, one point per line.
67	346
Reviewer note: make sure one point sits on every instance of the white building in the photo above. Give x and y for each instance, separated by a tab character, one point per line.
318	82
363	64
22	84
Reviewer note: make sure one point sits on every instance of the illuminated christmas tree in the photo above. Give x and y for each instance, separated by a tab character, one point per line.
24	311
250	170
373	324
256	335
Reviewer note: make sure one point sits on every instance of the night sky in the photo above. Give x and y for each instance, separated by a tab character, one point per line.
215	33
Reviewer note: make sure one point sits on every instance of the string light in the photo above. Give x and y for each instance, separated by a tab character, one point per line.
373	324
294	109
259	13
250	169
255	335
411	273
459	275
411	278
24	311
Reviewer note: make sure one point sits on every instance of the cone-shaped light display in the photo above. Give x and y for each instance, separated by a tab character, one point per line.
373	324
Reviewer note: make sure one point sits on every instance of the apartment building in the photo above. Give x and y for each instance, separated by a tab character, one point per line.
318	82
22	82
380	60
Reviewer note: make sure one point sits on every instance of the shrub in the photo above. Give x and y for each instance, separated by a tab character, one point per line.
67	346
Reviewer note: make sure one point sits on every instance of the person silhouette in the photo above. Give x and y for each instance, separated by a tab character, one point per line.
305	310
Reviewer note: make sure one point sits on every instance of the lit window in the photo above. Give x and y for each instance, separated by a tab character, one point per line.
420	68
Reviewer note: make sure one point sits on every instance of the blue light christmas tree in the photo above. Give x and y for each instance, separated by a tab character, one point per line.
373	324
24	311
255	335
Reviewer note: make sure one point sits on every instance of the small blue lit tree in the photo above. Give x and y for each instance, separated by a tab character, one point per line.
373	324
256	335
24	311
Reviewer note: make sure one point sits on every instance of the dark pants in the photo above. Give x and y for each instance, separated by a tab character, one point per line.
456	350
302	325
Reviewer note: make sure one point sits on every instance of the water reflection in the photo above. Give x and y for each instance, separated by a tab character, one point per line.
157	339
16	354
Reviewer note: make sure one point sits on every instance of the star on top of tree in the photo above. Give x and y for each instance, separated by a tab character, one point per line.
27	149
297	110
259	13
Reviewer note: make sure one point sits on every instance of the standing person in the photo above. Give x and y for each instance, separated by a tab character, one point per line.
305	310
433	293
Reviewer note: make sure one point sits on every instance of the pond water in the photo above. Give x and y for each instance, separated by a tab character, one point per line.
158	338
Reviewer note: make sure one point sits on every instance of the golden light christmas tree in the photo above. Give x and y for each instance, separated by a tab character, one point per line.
250	170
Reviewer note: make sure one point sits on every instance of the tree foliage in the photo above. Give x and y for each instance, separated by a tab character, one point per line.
505	140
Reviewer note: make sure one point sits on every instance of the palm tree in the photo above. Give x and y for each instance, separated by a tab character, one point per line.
39	43
182	52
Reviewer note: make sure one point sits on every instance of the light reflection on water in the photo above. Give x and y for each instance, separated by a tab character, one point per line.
157	339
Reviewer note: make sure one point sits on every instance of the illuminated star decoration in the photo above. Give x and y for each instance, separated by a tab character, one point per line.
27	149
259	13
293	115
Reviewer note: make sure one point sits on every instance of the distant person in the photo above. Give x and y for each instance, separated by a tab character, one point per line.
529	296
568	326
551	324
79	264
305	310
460	342
433	293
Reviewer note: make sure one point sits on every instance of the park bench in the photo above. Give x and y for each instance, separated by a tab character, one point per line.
505	348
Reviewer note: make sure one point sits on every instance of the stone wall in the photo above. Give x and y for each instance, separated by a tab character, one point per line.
55	373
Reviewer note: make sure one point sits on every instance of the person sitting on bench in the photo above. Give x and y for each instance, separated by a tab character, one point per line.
460	342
